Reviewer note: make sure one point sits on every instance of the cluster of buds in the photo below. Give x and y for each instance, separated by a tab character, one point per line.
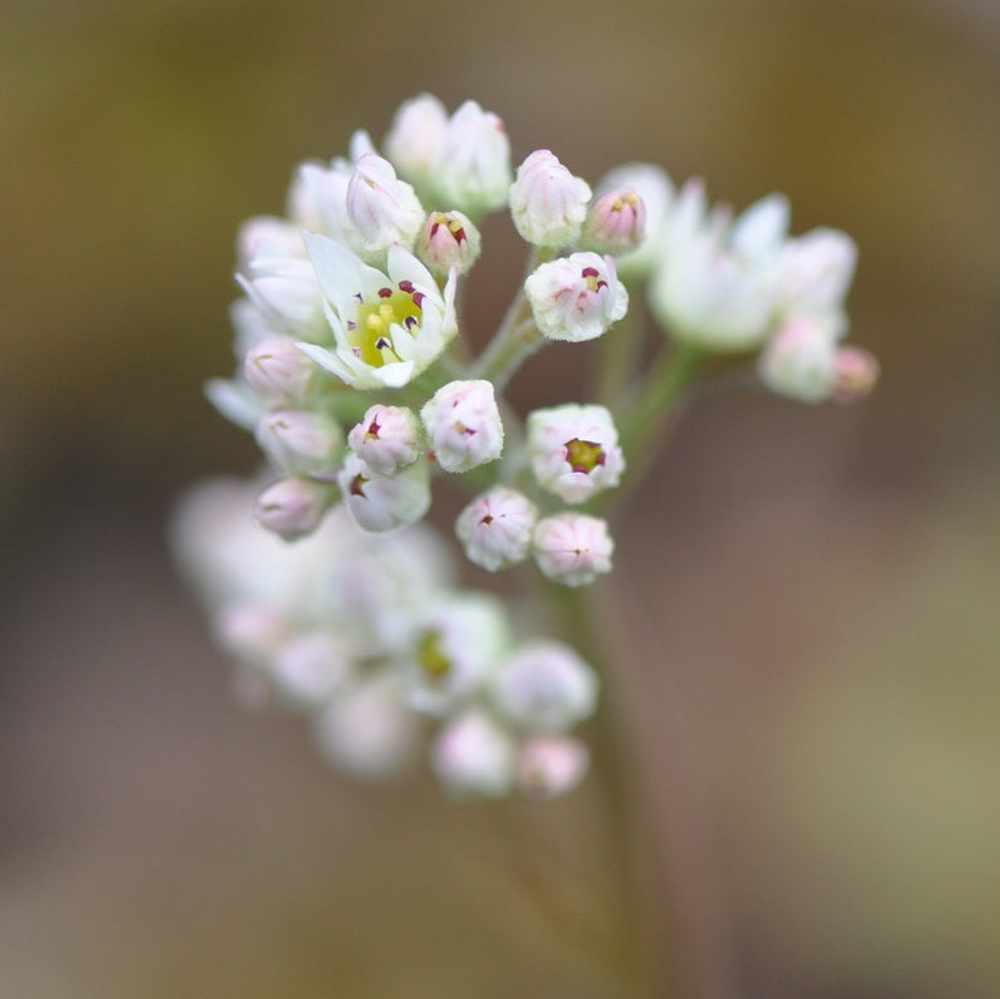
354	377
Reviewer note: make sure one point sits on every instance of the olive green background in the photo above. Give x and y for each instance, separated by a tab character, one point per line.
805	600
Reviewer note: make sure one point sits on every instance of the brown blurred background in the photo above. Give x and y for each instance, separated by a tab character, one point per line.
808	598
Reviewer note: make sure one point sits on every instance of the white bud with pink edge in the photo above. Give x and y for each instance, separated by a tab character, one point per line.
379	503
474	755
449	240
292	508
463	425
577	297
550	765
387	439
573	548
300	442
472	171
800	360
382	209
416	137
496	528
278	371
616	222
574	450
548	204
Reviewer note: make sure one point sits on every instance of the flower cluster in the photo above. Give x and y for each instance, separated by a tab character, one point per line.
355	378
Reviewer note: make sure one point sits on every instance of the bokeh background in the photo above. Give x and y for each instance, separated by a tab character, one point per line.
807	598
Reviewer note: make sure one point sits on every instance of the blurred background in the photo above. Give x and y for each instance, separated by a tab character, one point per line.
807	598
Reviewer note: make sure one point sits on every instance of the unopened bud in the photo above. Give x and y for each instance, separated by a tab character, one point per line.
449	240
572	548
473	755
300	442
496	528
549	765
278	371
464	426
382	503
615	223
387	439
382	208
293	507
548	204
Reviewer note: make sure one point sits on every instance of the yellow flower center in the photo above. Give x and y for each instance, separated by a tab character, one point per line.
432	657
584	456
371	334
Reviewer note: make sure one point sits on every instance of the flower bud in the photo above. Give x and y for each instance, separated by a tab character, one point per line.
496	528
548	204
285	289
815	271
472	172
577	297
300	442
473	755
265	236
317	199
800	360
292	508
545	687
656	190
382	503
616	222
572	548
415	138
387	439
855	374
449	240
308	669
464	425
249	631
574	450
549	765
382	209
278	371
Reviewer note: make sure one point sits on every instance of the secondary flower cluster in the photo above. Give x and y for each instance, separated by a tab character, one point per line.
370	639
354	377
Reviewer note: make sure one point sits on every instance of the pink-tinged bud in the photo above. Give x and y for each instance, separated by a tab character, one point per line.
572	548
387	439
548	204
799	361
308	669
856	372
383	503
496	528
265	236
815	271
549	765
577	297
449	240
248	631
472	171
317	199
616	222
292	508
545	687
574	450
286	291
464	426
382	209
278	371
415	137
300	442
473	755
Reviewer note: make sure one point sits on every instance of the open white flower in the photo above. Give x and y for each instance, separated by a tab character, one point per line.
387	327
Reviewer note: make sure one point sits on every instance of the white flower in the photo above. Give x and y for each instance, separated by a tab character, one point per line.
548	204
284	288
456	648
472	169
449	239
464	426
549	765
716	285
380	503
383	209
387	439
367	730
309	668
545	687
300	442
496	528
574	450
572	548
317	199
387	327
474	755
265	236
293	507
800	360
577	297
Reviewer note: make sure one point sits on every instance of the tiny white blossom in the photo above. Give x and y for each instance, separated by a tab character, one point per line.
388	327
572	548
309	668
545	687
292	507
548	204
473	755
383	209
300	442
380	503
463	424
496	528
549	765
574	450
577	297
387	439
800	360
